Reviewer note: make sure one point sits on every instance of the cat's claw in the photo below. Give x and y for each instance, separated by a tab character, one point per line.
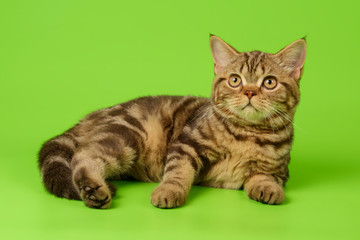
266	192
166	197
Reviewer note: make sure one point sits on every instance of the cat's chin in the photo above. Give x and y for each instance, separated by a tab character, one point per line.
251	115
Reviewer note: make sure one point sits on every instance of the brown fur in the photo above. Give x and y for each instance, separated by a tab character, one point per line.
219	142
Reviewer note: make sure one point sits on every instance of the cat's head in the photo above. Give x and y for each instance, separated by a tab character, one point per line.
255	87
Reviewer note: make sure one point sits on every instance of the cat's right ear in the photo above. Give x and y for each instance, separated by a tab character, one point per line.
223	54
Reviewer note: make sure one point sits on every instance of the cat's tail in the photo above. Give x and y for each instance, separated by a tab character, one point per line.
54	162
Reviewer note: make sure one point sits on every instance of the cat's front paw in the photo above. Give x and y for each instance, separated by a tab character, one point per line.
266	192
168	196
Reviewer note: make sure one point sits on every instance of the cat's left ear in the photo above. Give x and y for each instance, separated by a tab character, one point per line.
292	58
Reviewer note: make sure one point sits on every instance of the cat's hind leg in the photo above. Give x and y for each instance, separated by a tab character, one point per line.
92	188
97	161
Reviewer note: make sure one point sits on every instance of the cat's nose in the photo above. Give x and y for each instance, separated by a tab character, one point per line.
250	93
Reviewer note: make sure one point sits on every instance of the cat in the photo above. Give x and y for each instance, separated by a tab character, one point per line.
239	138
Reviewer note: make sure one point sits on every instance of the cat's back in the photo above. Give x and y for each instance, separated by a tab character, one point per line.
154	121
143	114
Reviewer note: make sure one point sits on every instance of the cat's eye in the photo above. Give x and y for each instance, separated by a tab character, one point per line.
235	81
270	82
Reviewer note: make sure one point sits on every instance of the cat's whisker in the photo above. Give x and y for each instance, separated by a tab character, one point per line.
291	120
203	113
287	117
268	116
284	124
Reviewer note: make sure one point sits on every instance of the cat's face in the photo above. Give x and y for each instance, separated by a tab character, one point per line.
256	87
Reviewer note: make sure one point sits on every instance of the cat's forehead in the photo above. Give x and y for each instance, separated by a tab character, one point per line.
253	64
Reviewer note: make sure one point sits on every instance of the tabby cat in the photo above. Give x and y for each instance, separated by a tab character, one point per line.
240	137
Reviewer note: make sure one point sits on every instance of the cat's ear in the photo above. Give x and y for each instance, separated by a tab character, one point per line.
292	58
222	53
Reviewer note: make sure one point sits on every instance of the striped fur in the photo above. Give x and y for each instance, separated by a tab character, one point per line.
180	141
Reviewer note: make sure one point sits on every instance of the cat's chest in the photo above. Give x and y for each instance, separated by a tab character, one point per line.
235	163
245	150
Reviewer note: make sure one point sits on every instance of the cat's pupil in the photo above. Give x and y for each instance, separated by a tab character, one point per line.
235	80
269	81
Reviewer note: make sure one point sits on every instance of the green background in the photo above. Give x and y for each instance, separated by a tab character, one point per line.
60	60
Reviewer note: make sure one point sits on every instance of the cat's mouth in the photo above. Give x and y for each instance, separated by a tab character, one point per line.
249	106
247	111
